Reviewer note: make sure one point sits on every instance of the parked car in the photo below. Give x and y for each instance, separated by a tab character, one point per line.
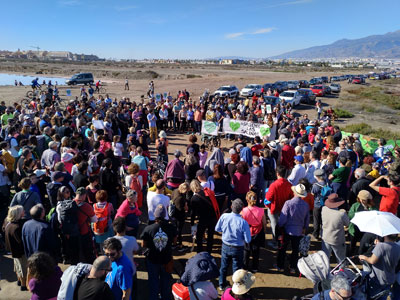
318	90
357	80
268	86
327	90
304	83
80	78
306	96
281	86
325	79
335	87
291	96
293	84
229	91
250	90
316	80
335	78
272	100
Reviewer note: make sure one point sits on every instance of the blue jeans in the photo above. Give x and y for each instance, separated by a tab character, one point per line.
228	254
159	281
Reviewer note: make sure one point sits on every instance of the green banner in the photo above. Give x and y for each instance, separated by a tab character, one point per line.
370	144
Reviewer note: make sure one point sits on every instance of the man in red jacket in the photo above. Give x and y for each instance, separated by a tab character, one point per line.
278	193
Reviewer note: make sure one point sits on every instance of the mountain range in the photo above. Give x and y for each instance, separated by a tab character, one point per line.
373	46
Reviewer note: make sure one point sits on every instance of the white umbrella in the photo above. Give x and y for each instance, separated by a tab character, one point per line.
378	222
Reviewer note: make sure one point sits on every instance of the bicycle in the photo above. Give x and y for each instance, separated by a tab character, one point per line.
35	92
101	90
211	141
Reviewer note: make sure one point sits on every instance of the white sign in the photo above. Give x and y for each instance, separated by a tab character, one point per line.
269	109
69	94
209	128
165	96
246	128
158	97
98	124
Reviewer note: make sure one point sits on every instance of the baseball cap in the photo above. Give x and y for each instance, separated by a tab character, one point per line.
81	191
299	158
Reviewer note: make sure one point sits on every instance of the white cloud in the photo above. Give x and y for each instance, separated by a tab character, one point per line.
296	2
236	35
70	2
125	8
263	30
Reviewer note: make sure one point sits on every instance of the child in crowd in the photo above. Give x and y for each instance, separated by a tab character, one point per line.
202	156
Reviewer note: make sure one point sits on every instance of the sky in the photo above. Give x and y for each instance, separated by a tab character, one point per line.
190	29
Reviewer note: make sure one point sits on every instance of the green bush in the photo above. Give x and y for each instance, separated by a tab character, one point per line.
363	128
341	113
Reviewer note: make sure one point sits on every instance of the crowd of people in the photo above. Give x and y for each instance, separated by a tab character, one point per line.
79	186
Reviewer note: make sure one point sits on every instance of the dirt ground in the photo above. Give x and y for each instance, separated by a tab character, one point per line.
269	284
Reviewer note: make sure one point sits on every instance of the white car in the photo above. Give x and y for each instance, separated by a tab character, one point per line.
291	96
335	87
251	89
229	91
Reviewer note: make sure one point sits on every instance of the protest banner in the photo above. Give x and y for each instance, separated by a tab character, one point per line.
158	97
269	109
246	128
69	94
165	96
209	128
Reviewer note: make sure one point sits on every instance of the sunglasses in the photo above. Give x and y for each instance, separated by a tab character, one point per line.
111	254
343	298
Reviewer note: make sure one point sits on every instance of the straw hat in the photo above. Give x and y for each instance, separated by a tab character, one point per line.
299	190
364	195
162	134
242	281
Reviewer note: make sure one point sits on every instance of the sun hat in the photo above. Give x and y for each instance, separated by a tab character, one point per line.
242	281
39	172
81	191
299	158
66	157
333	201
162	134
177	153
200	267
299	190
319	172
232	151
364	195
272	145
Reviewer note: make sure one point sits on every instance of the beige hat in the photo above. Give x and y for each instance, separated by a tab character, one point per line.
242	281
162	134
299	190
364	195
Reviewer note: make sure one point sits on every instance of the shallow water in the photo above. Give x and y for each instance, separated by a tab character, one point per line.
8	79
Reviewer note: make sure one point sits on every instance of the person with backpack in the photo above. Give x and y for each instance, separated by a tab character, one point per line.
134	181
321	191
66	214
162	147
104	211
130	212
95	158
204	205
26	198
86	216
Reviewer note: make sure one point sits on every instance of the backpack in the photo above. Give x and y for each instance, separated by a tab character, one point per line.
161	148
326	190
68	210
315	267
269	170
101	226
93	163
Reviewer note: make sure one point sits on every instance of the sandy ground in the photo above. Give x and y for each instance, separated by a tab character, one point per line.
269	284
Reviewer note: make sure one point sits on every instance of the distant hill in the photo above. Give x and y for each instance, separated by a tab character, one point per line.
377	46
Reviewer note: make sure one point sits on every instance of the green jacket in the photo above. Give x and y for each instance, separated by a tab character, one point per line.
356	207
